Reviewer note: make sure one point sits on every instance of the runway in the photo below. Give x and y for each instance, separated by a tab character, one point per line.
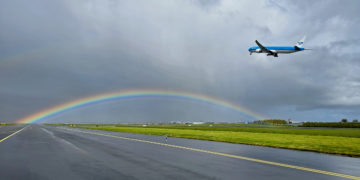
49	152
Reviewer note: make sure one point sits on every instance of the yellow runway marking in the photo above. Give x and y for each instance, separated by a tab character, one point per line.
12	134
226	155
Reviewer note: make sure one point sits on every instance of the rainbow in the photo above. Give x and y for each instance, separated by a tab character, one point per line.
114	96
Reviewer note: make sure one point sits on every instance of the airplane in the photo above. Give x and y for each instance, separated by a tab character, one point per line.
275	50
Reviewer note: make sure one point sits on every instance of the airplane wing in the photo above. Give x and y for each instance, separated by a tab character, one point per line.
263	48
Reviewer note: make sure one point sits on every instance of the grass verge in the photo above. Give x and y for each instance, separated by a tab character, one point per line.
274	130
349	146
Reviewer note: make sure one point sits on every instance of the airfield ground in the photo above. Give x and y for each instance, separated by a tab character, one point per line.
61	152
332	141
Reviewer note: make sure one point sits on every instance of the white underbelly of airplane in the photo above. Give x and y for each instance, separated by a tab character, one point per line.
284	51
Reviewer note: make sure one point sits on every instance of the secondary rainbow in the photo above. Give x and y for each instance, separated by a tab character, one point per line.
114	96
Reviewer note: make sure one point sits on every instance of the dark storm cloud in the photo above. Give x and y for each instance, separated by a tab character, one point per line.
53	52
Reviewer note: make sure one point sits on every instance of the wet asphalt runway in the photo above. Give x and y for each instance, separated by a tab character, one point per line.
46	152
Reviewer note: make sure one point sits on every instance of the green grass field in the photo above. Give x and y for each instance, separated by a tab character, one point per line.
274	130
7	124
344	142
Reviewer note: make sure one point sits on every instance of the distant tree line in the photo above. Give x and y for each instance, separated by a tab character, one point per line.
345	120
342	124
270	121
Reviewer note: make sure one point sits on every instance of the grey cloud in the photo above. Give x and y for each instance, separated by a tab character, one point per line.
53	52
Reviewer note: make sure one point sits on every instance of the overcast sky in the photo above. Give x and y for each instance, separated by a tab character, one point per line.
56	51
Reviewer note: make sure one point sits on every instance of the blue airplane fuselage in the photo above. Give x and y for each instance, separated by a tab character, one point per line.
276	49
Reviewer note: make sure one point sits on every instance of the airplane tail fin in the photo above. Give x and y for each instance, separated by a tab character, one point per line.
300	43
